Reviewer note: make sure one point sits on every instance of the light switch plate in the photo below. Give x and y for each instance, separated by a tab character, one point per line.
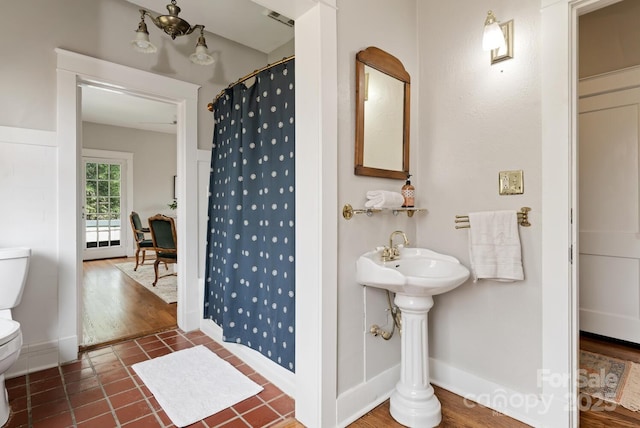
510	183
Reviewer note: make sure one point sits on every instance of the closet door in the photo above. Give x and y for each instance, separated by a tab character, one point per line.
609	218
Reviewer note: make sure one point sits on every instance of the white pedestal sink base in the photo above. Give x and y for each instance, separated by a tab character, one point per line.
413	403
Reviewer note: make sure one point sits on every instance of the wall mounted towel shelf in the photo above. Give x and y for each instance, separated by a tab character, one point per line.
348	211
523	219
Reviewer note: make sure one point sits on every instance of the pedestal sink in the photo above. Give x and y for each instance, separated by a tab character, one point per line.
416	276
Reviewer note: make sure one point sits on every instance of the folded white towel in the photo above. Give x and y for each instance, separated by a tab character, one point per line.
384	199
494	246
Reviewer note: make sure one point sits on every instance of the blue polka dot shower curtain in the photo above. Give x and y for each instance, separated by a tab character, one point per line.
250	268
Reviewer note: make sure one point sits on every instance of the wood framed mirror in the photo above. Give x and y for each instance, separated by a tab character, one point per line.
383	89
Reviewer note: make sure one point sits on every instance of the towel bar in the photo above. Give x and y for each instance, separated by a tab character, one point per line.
523	219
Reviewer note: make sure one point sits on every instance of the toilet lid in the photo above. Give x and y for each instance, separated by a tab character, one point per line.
9	329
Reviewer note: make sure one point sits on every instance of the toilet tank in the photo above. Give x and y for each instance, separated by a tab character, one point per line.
14	265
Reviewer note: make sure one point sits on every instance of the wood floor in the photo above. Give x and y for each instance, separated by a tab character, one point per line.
115	307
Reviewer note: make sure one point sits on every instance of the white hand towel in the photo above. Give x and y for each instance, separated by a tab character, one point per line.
494	246
383	199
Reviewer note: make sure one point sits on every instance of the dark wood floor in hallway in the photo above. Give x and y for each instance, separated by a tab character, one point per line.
116	308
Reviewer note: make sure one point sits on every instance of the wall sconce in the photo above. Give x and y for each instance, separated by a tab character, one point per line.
174	26
498	38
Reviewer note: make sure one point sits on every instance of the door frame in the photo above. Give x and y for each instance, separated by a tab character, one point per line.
557	377
74	70
127	186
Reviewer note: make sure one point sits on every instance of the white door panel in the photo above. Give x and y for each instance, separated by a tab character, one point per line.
609	217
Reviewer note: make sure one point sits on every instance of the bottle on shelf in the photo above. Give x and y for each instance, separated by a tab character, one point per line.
409	193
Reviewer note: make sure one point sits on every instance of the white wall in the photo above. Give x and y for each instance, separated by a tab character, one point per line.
102	29
154	163
362	357
476	120
28	188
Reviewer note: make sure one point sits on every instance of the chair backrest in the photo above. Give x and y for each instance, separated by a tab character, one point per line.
136	225
163	233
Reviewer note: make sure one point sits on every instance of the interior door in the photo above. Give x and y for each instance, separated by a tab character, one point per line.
104	201
609	218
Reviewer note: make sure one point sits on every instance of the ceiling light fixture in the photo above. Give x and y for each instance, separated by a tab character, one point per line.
174	26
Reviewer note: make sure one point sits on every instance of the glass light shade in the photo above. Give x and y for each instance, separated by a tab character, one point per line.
201	56
142	44
493	37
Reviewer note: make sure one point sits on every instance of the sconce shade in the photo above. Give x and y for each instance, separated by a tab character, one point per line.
201	55
493	37
141	42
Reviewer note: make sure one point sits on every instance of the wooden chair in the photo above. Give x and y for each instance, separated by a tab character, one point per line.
142	243
163	235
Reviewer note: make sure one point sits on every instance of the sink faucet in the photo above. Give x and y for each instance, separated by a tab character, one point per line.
392	252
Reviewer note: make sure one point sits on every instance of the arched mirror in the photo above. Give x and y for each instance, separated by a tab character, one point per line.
382	115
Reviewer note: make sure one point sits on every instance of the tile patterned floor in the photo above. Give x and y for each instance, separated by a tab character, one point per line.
101	390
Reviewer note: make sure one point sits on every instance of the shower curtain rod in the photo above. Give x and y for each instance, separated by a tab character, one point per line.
247	77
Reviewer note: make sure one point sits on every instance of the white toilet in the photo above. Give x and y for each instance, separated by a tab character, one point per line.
14	265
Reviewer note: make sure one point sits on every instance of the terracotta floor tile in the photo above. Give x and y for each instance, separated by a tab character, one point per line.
258	378
104	358
44	374
113	375
61	420
92	410
16	381
248	404
283	405
155	353
49	409
269	392
220	417
47	396
234	361
181	345
17	419
132	412
145	422
235	423
83	385
119	386
16	390
75	376
85	397
130	344
245	369
45	384
18	403
223	353
124	398
138	358
261	416
107	367
128	352
99	351
103	421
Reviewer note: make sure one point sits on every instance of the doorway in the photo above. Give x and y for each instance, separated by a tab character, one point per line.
129	161
74	70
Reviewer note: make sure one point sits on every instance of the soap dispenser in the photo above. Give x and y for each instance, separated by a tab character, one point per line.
409	193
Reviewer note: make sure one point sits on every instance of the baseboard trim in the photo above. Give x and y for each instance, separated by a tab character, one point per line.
356	402
525	407
35	357
279	376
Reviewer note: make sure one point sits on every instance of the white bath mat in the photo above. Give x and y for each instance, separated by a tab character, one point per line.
194	383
